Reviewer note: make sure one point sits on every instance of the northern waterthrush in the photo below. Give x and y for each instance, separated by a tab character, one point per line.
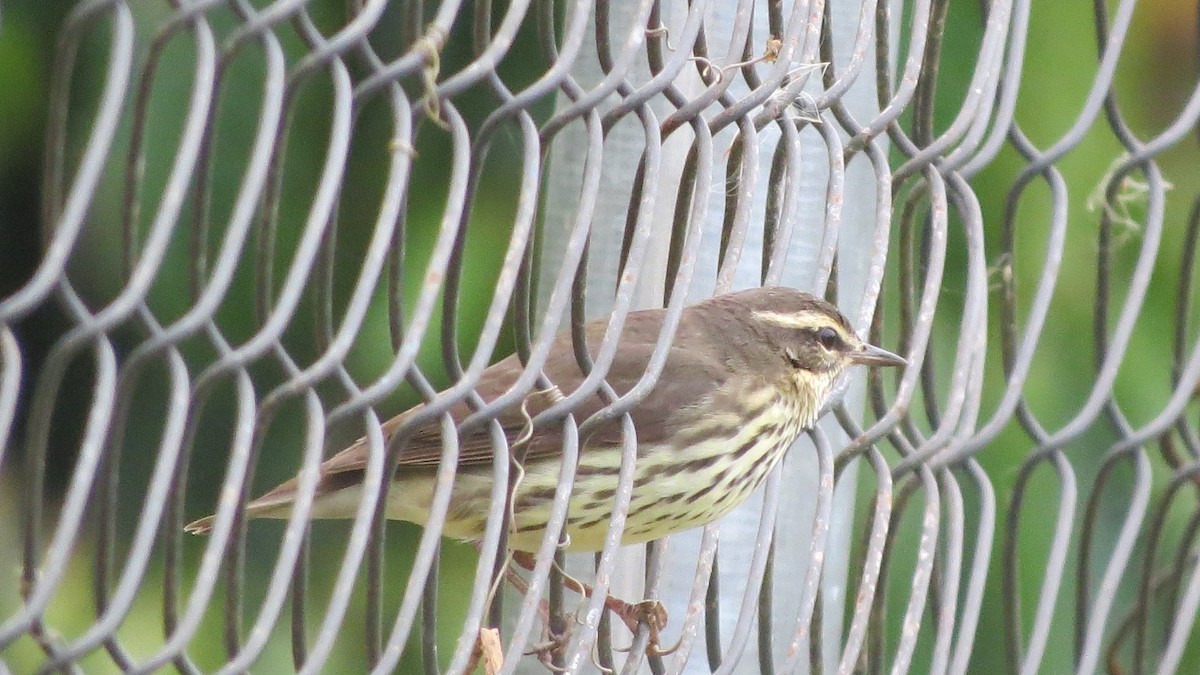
747	372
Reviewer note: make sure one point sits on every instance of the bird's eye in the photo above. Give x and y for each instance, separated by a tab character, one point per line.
829	338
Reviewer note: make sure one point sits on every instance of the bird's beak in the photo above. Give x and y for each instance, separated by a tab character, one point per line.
871	355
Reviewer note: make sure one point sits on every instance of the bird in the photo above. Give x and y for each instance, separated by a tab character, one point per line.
746	373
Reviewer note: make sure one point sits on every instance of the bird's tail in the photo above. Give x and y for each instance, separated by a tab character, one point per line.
201	526
267	506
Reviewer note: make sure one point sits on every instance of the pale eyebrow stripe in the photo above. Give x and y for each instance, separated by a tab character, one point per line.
801	320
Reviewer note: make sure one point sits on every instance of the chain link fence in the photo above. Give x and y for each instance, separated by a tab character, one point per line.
266	227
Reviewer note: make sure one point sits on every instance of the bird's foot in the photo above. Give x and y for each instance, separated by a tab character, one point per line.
648	612
552	643
632	614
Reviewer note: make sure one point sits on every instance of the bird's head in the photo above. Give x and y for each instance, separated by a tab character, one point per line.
814	339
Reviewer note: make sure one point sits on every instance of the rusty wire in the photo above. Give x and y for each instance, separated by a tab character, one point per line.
730	106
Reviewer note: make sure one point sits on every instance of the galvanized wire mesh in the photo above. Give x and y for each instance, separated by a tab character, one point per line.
261	220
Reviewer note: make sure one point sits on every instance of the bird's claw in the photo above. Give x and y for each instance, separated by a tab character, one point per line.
652	649
634	614
551	642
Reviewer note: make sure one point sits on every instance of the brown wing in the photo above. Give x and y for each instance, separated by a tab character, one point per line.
686	380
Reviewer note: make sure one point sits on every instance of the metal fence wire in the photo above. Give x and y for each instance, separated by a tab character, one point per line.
267	227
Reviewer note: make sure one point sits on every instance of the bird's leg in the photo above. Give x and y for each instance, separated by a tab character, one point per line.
632	614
